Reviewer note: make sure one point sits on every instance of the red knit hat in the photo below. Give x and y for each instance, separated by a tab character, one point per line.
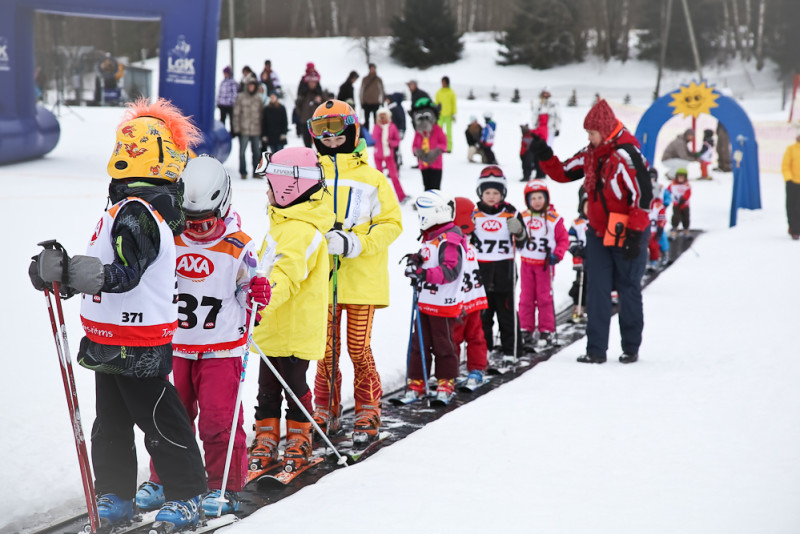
601	118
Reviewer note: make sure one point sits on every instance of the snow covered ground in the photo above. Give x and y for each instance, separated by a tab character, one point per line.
700	436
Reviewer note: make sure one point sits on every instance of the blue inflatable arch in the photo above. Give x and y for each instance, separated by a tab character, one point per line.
744	148
186	68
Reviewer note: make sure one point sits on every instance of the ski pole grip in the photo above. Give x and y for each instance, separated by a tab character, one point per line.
50	244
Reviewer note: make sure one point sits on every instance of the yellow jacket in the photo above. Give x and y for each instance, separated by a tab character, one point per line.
295	256
365	204
446	98
791	163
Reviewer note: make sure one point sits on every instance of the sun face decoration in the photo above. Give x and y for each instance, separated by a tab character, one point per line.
694	99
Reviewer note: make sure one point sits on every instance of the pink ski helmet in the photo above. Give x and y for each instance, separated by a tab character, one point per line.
294	174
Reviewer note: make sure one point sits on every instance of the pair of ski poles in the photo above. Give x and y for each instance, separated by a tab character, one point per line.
68	378
415	318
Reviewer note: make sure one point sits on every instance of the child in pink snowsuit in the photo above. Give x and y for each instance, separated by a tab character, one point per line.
547	241
387	139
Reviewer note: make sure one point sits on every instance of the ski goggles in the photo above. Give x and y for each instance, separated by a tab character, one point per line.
492	171
267	166
330	125
200	223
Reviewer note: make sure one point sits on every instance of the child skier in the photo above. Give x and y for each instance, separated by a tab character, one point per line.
546	243
658	220
387	139
470	328
680	192
292	328
706	154
129	312
437	270
577	247
216	285
487	138
497	229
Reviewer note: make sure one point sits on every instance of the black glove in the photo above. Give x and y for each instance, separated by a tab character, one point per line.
414	260
416	274
540	149
558	133
632	245
577	251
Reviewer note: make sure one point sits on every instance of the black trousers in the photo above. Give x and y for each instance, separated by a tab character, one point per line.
431	178
793	207
154	406
224	113
502	305
369	109
270	392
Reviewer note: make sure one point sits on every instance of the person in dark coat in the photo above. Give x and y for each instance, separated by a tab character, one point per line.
274	125
346	91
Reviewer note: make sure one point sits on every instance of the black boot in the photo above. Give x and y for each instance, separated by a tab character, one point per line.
589	358
628	358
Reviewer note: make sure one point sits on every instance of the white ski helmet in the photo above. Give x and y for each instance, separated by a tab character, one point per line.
434	207
207	188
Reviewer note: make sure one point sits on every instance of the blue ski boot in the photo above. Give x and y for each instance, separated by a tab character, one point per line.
474	378
178	515
213	507
150	496
114	511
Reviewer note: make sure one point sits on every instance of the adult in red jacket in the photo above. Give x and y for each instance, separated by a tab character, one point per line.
616	254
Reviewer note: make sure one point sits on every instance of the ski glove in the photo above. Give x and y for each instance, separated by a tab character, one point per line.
416	274
552	259
540	149
260	292
414	260
632	245
515	227
84	274
341	243
577	251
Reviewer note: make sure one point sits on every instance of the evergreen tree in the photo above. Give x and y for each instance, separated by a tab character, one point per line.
426	34
542	35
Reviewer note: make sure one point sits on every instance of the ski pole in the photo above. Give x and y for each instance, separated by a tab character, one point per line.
514	301
237	406
580	292
551	272
68	379
342	459
334	335
411	333
421	343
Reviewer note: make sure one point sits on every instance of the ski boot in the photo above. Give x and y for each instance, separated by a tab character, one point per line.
528	344
298	445
445	390
264	452
212	505
545	340
175	516
416	389
114	511
474	378
629	358
330	421
368	423
150	496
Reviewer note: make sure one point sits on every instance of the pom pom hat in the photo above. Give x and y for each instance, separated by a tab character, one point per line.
153	141
601	118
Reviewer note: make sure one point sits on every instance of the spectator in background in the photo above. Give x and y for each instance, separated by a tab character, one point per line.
274	125
487	139
394	103
109	67
791	174
416	93
270	79
429	142
226	97
247	74
306	104
446	100
677	153
473	134
547	118
247	124
723	149
346	91
387	139
311	72
371	94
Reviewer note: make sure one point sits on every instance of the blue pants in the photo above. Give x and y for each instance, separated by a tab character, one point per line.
255	144
606	270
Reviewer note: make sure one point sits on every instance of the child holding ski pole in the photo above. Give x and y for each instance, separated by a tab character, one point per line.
470	328
680	190
129	312
217	286
437	269
577	247
545	246
292	328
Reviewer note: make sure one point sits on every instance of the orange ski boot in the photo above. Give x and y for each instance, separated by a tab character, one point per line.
298	445
264	452
368	423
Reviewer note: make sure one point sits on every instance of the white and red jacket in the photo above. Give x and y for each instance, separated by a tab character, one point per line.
472	284
577	236
145	316
493	241
546	234
681	192
658	216
212	279
443	251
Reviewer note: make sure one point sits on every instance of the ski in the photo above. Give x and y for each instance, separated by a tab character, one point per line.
440	401
500	365
404	400
258	474
464	386
281	479
207	525
356	452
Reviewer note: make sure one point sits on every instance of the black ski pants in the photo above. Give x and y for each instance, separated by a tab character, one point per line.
154	406
793	207
502	305
431	178
270	392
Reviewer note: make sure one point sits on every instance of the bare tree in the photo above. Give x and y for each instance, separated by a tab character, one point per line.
312	19
736	37
748	44
762	4
625	30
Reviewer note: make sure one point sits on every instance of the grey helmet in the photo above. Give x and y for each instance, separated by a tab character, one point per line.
207	188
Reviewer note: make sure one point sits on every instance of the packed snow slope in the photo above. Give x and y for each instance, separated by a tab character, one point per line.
700	436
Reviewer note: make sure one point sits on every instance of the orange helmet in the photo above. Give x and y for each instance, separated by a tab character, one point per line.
152	142
463	219
333	118
535	186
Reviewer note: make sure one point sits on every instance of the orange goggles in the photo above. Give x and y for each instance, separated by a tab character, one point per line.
330	125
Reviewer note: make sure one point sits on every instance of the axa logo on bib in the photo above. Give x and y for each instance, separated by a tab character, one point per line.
194	266
491	225
426	254
536	223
